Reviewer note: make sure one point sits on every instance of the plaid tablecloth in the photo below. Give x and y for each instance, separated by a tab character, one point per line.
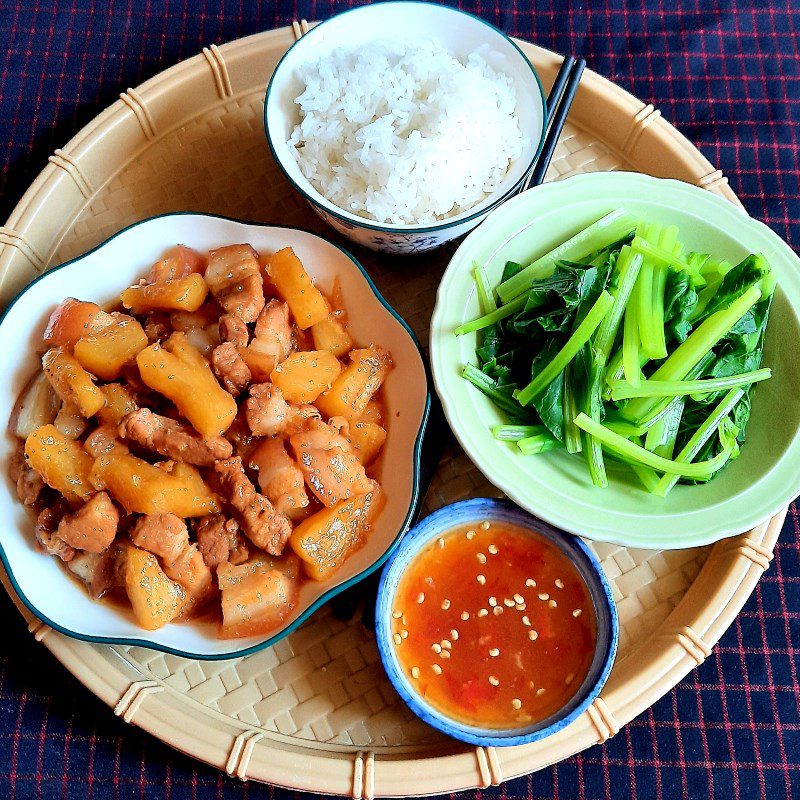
727	73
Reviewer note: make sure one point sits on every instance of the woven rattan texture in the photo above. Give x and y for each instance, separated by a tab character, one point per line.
325	682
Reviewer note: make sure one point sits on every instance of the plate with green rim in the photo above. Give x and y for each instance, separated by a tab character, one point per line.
555	485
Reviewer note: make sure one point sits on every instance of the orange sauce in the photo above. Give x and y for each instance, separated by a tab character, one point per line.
494	626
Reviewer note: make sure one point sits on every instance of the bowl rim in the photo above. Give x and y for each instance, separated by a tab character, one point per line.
319	201
325	596
423	532
709	534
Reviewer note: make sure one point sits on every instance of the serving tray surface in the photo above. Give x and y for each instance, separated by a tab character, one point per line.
315	711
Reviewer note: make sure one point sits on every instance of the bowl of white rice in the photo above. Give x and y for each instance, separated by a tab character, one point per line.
404	123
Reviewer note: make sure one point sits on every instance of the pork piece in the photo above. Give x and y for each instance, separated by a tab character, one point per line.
300	418
331	469
261	523
194	579
28	481
163	535
45	531
99	571
230	368
173	439
233	330
279	477
234	277
93	526
219	540
266	410
272	326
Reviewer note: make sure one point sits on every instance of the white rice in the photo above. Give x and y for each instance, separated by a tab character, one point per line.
406	133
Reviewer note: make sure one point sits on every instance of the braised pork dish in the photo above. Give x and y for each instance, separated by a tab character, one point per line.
206	443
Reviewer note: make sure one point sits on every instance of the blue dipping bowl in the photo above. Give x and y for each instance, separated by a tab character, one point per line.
474	512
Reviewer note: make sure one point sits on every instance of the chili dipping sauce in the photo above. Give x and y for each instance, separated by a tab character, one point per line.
494	626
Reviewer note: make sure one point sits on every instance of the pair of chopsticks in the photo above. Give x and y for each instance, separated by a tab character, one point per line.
558	104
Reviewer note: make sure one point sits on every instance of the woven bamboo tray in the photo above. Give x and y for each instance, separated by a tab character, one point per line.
315	711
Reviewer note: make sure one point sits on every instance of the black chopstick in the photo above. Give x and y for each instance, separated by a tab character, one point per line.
559	102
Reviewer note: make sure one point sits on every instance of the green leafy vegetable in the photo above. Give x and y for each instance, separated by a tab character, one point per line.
618	343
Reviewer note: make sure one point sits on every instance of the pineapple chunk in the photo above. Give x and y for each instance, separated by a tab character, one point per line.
154	597
120	401
306	302
72	383
105	353
353	389
257	596
179	294
302	377
367	439
180	372
328	538
331	334
62	462
146	489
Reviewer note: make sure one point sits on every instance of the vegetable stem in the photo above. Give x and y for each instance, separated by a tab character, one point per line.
533	445
697	344
700	437
492	317
699	471
487	385
581	335
513	433
621	390
601	234
486	299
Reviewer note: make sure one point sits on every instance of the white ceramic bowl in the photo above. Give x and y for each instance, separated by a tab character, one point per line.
39	580
461	34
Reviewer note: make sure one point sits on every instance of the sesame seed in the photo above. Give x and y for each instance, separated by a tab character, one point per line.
494	680
440	542
533	636
397	639
437	669
559	583
470	535
404	633
552	603
492	601
530	582
526	621
508	602
498	610
481	558
492	548
454	635
436	647
481	579
483	613
485	525
494	652
539	692
520	606
444	654
445	604
397	614
421	597
576	612
465	615
518	598
446	643
415	672
517	703
404	620
544	596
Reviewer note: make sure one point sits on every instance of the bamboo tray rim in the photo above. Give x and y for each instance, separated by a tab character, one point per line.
682	642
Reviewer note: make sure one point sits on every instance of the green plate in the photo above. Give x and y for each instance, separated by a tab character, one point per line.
556	486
